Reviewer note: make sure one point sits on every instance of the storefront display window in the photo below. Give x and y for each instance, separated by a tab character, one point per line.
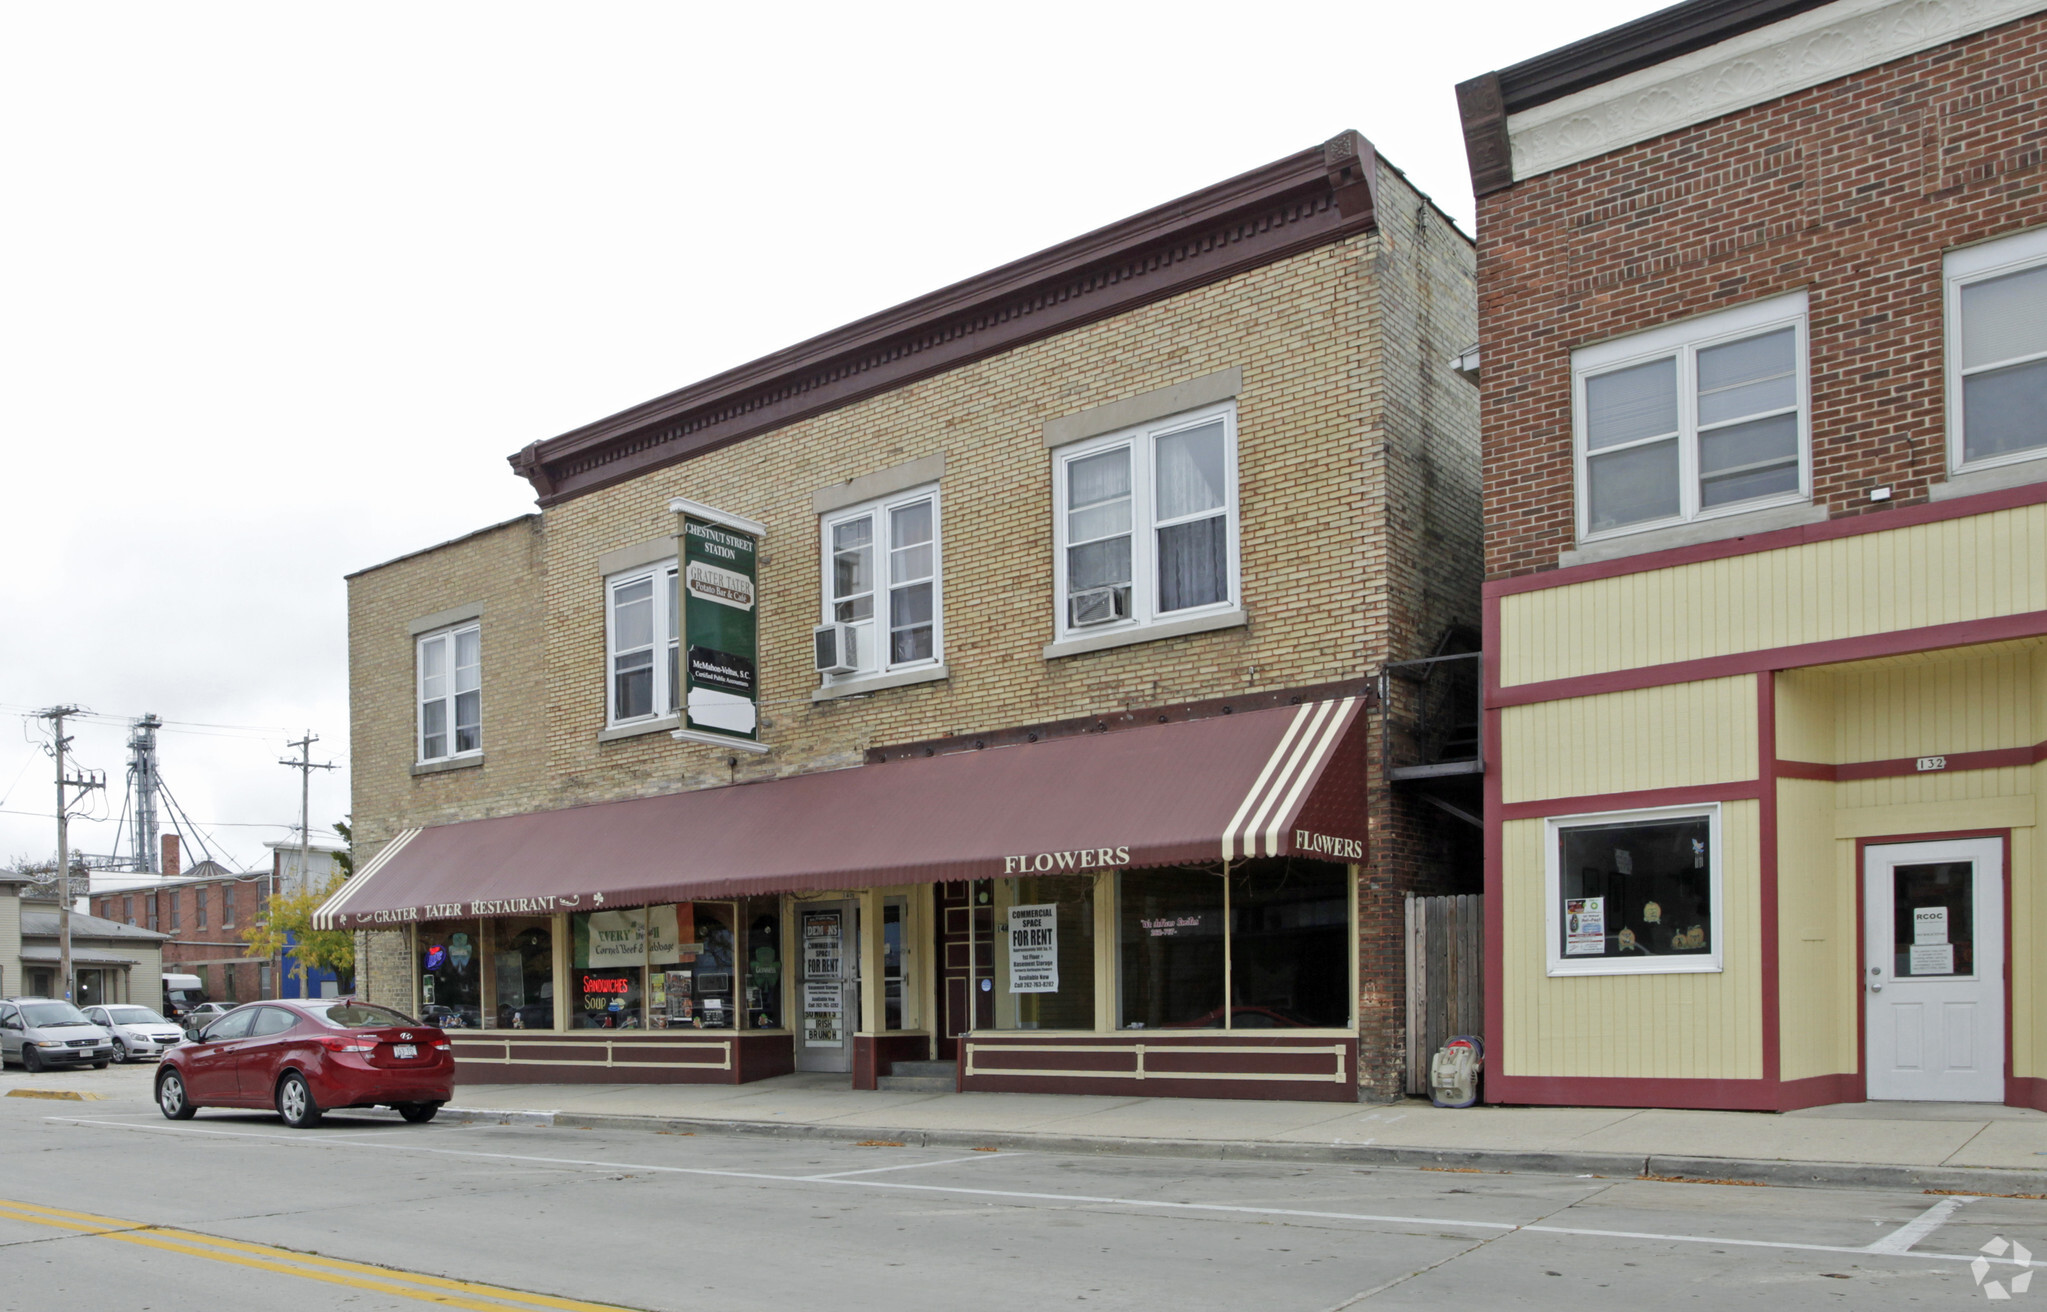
895	928
607	969
1289	945
522	971
1634	893
764	963
693	984
451	974
1170	939
1045	953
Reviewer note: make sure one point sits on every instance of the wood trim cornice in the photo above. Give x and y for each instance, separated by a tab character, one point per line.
1996	758
1306	200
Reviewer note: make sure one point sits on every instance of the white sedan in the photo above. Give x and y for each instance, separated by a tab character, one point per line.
138	1032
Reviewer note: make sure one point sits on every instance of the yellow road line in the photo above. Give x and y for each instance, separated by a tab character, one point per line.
306	1266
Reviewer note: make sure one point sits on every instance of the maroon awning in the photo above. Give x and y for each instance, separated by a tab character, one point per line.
1284	781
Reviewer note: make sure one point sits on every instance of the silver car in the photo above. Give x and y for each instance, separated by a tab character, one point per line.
138	1032
44	1032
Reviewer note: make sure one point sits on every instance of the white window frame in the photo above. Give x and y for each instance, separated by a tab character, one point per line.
419	645
1143	439
1709	963
666	578
879	510
1684	340
1991	259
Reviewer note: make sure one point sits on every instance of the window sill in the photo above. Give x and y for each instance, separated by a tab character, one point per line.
447	763
1229	619
877	682
1665	966
1690	535
638	728
1969	482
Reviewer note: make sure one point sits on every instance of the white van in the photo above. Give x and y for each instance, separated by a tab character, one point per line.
181	993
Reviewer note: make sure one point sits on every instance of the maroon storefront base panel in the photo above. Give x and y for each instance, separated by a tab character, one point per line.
1283	781
1312	1067
619	1057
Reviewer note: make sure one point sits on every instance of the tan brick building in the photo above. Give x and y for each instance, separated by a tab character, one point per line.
1763	294
1187	483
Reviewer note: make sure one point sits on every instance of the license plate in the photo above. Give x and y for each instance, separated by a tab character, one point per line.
404	1050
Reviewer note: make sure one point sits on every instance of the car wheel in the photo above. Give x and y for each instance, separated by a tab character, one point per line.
419	1113
295	1102
31	1060
99	1065
170	1096
121	1053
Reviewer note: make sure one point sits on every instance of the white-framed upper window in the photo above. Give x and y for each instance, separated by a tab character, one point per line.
450	667
643	631
884	580
1693	420
1145	522
1997	351
1634	892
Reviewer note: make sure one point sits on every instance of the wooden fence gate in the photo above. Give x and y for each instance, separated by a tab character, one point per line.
1445	977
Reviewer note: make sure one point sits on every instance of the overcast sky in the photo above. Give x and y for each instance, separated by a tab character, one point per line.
284	284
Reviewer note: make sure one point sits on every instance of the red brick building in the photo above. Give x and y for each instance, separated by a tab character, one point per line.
205	912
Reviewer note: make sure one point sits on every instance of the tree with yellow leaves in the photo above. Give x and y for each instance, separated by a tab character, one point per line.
286	926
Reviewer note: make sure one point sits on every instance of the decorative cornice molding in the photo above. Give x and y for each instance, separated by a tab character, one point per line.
1294	204
1801	51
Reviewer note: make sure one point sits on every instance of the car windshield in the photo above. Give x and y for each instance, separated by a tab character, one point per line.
52	1014
135	1016
350	1015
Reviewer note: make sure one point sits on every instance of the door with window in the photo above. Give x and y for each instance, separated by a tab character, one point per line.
966	956
1933	970
828	985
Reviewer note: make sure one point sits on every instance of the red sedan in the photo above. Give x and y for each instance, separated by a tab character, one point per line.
309	1057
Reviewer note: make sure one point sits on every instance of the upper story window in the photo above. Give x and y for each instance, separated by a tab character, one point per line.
882	580
1694	420
451	693
1146	523
643	628
1997	351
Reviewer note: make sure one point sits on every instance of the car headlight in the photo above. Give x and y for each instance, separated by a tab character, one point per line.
51	1043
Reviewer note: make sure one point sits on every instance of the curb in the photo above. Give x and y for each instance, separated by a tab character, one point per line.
58	1095
1989	1181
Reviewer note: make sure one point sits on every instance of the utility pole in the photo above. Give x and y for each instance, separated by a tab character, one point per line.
305	766
56	716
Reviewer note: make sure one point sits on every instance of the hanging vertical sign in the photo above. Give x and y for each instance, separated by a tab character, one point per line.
720	626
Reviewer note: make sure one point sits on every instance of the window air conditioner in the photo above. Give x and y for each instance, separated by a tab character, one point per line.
1099	606
836	653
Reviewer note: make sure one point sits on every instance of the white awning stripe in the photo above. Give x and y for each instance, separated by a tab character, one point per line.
1310	763
1230	831
324	917
1287	771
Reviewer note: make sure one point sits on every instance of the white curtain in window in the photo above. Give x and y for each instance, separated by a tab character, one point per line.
1193	554
1633	403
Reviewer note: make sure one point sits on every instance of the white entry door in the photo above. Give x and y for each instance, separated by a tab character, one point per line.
828	995
1933	959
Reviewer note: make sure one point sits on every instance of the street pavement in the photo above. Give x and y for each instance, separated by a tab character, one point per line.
103	1204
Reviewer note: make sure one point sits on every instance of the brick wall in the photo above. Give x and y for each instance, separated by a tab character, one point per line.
207	951
1851	190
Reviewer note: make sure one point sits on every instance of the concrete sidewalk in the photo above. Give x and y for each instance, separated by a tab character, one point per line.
1971	1147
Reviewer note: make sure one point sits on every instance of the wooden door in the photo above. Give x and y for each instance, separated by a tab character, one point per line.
966	957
